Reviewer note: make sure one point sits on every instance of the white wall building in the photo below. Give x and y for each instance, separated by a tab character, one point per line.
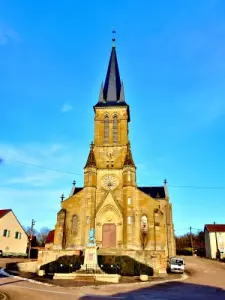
13	238
215	240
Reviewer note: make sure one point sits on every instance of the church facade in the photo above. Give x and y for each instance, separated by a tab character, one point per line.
125	216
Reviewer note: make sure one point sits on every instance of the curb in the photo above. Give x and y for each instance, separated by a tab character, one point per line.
4	296
184	277
4	273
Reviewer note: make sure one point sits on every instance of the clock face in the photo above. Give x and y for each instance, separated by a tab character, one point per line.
109	182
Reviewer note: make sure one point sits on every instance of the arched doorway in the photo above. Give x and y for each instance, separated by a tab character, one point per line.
109	235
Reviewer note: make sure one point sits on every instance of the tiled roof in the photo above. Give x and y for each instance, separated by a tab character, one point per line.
50	237
4	212
153	191
215	227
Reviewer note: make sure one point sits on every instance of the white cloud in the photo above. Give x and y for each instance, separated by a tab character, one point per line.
66	107
7	35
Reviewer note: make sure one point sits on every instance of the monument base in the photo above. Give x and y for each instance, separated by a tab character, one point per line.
90	261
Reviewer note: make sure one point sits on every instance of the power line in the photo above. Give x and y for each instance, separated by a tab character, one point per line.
42	167
72	173
196	186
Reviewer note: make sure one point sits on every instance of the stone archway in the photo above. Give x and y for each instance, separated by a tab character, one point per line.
109	235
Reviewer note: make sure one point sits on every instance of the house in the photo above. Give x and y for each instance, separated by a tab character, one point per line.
13	238
49	240
215	240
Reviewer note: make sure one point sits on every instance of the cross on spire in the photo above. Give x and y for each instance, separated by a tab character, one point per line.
74	182
62	197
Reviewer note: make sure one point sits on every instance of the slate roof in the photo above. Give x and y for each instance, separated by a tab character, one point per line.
153	191
77	190
4	212
112	92
50	237
215	227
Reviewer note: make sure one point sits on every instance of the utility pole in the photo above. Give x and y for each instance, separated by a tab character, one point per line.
31	236
192	250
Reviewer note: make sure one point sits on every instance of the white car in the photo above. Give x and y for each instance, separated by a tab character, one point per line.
176	265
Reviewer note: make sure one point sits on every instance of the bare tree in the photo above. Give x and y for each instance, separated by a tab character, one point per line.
42	235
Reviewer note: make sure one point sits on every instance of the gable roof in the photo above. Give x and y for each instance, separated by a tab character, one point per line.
215	227
50	237
3	212
153	191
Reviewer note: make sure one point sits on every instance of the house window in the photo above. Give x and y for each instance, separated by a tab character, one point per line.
115	129
129	201
6	233
106	130
17	235
144	224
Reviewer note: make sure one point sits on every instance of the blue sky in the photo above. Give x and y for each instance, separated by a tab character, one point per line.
53	58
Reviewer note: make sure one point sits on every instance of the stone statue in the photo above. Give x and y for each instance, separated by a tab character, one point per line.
91	237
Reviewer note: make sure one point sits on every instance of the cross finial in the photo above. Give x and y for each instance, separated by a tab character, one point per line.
62	197
74	182
165	181
113	37
92	145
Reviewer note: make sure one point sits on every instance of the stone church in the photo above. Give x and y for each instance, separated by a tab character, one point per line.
127	218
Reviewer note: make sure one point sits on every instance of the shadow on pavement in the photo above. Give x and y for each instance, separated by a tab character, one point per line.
15	281
167	291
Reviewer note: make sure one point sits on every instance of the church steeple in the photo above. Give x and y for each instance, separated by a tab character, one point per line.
112	86
112	91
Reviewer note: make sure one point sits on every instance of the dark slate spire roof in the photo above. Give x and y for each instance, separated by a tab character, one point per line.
112	86
91	158
112	91
129	158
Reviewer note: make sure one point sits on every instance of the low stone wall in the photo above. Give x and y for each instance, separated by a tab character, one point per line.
155	259
30	266
47	256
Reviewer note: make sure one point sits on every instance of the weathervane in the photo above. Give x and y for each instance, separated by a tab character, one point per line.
113	36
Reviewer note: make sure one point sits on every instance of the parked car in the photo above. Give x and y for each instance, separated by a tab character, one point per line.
176	265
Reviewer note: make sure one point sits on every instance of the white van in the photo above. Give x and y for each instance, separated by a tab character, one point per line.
176	265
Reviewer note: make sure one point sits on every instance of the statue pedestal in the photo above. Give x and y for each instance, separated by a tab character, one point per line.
90	261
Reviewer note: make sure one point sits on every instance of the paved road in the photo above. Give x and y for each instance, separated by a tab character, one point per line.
207	281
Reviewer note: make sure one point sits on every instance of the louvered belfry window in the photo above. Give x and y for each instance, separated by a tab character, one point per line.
106	130
115	129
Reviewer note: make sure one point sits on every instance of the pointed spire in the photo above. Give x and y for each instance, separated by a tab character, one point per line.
101	97
122	97
129	158
112	82
91	157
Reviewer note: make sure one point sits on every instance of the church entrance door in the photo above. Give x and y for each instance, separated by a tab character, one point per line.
109	236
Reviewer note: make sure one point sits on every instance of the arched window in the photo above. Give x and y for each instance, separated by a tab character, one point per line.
115	129
106	129
144	224
75	224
